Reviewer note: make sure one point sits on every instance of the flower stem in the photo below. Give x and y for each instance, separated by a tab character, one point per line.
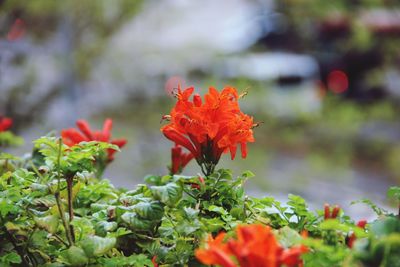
58	199
70	206
398	215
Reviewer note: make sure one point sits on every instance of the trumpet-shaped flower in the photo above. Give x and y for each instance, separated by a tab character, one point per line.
179	159
255	246
72	136
209	127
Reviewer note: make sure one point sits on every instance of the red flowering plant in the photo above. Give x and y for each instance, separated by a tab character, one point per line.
74	136
207	128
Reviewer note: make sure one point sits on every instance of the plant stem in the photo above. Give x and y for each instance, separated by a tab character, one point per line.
60	239
36	170
63	219
70	207
202	169
398	215
58	199
190	194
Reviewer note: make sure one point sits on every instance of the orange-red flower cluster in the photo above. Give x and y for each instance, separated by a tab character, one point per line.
179	159
255	246
72	136
5	123
211	127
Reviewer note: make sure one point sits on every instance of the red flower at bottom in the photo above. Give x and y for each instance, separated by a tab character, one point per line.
5	123
154	261
72	136
255	246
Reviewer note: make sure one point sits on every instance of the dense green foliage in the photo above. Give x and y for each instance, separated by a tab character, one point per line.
54	211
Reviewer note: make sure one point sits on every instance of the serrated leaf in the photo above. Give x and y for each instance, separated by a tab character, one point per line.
46	201
136	223
39	187
149	210
217	209
103	227
168	194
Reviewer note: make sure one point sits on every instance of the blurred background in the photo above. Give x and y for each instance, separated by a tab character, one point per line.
322	76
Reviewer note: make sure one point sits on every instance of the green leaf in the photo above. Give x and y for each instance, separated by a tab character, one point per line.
385	226
96	245
103	227
149	210
7	138
46	201
217	209
379	211
6	156
76	256
213	225
139	260
333	224
288	237
9	258
247	174
168	194
153	179
83	226
394	192
7	207
136	223
49	223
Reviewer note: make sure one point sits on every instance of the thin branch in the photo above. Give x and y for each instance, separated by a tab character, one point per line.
57	196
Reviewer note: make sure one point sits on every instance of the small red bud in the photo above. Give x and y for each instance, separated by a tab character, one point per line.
327	211
201	179
335	212
362	223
